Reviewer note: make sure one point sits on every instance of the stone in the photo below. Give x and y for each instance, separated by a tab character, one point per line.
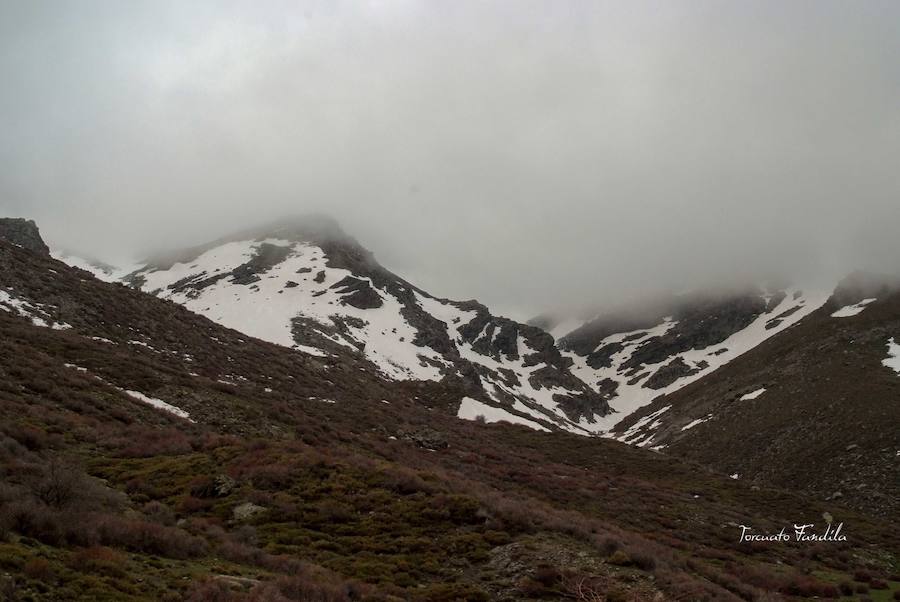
24	233
426	437
246	510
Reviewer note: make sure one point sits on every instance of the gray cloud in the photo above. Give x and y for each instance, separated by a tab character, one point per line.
525	153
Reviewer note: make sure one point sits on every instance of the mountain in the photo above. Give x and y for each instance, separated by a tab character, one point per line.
149	453
307	285
653	347
816	407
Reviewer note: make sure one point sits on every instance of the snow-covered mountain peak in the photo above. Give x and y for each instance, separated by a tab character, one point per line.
310	286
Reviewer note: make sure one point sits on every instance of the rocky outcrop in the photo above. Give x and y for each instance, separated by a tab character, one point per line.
24	233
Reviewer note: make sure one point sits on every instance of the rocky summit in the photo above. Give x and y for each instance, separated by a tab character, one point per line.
24	233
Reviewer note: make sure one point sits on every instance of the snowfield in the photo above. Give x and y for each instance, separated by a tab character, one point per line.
631	394
266	308
472	409
283	291
848	311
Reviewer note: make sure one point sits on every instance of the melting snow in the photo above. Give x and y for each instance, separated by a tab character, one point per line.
265	309
470	409
753	395
158	403
893	359
629	398
633	434
694	423
33	311
851	310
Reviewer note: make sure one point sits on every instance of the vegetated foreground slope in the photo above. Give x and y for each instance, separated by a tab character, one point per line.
309	286
661	344
150	454
816	408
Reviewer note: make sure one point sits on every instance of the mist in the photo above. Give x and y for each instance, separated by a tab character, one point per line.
527	154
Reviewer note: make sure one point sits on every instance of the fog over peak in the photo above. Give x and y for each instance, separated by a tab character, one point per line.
528	154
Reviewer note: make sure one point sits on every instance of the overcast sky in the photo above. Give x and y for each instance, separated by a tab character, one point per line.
526	154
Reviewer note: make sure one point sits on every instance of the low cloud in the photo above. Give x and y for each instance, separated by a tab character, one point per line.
528	154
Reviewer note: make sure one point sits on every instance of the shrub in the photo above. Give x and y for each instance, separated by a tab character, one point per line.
211	591
98	559
159	513
808	587
39	569
60	485
607	546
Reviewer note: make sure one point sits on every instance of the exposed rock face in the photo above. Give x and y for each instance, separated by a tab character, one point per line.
812	407
425	437
309	285
24	233
360	293
669	373
630	355
699	326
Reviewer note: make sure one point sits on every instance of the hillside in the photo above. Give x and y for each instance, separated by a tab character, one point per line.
151	454
659	345
816	407
309	286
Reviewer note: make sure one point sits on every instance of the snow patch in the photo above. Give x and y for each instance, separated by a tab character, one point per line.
631	397
851	310
471	409
753	394
694	423
35	312
893	359
158	403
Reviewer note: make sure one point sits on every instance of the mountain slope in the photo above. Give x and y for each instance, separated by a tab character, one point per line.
816	407
634	355
309	286
290	478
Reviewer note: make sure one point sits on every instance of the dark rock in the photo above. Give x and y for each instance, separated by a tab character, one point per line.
266	257
358	293
701	324
637	378
425	437
320	277
290	284
24	233
777	320
669	373
602	357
